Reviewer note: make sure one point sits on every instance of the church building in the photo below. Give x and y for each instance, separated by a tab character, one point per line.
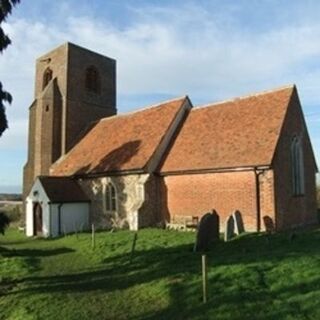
169	163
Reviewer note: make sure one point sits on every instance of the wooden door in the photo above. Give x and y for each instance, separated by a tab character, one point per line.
37	219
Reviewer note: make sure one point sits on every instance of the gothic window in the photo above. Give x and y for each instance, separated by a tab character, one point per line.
110	198
47	76
297	166
92	80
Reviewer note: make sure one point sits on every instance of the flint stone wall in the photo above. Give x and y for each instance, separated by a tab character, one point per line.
135	205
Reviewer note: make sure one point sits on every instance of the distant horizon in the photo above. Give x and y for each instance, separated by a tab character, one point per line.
11	189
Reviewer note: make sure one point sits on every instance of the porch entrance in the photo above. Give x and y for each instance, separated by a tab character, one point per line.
37	219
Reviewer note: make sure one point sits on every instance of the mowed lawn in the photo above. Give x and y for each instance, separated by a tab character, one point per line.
251	277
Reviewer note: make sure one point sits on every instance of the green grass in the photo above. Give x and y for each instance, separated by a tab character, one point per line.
251	277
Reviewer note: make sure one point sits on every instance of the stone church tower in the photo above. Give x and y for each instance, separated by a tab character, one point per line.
73	87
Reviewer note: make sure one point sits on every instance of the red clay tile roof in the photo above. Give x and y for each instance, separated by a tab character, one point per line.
56	187
120	143
237	133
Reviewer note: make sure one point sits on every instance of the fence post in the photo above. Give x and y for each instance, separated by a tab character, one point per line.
133	245
93	239
204	278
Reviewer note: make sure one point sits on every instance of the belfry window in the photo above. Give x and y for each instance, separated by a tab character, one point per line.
47	76
297	167
92	80
110	197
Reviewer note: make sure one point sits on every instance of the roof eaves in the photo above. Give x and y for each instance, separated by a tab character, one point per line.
216	170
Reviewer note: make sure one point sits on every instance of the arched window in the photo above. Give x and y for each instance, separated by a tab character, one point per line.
297	166
110	197
47	76
92	80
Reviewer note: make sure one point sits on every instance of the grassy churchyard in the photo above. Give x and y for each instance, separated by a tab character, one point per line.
251	277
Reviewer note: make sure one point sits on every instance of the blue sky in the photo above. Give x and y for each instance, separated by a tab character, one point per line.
210	50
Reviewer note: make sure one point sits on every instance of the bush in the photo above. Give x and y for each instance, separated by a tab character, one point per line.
4	222
14	213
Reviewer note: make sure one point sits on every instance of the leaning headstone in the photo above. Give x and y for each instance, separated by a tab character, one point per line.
216	226
268	224
229	228
208	231
238	222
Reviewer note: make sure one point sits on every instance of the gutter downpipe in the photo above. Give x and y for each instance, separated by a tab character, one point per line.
257	173
59	218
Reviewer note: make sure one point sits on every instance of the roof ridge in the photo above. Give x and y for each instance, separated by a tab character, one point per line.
260	93
125	114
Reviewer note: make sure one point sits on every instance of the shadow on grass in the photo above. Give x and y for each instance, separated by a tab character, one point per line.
25	260
33	252
8	243
247	290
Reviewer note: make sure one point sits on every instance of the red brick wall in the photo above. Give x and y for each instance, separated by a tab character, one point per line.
293	211
196	194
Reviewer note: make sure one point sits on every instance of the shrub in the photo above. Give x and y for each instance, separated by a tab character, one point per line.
14	213
4	222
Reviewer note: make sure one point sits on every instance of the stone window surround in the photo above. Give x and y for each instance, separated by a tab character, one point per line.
105	186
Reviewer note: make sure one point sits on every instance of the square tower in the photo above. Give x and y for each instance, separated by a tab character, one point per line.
73	88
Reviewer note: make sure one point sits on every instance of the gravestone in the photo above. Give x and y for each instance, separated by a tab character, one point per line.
268	224
208	231
229	228
238	222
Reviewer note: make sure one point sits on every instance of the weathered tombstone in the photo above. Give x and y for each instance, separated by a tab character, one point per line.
229	228
238	222
268	224
208	231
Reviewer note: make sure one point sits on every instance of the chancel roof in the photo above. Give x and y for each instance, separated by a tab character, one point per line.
236	133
